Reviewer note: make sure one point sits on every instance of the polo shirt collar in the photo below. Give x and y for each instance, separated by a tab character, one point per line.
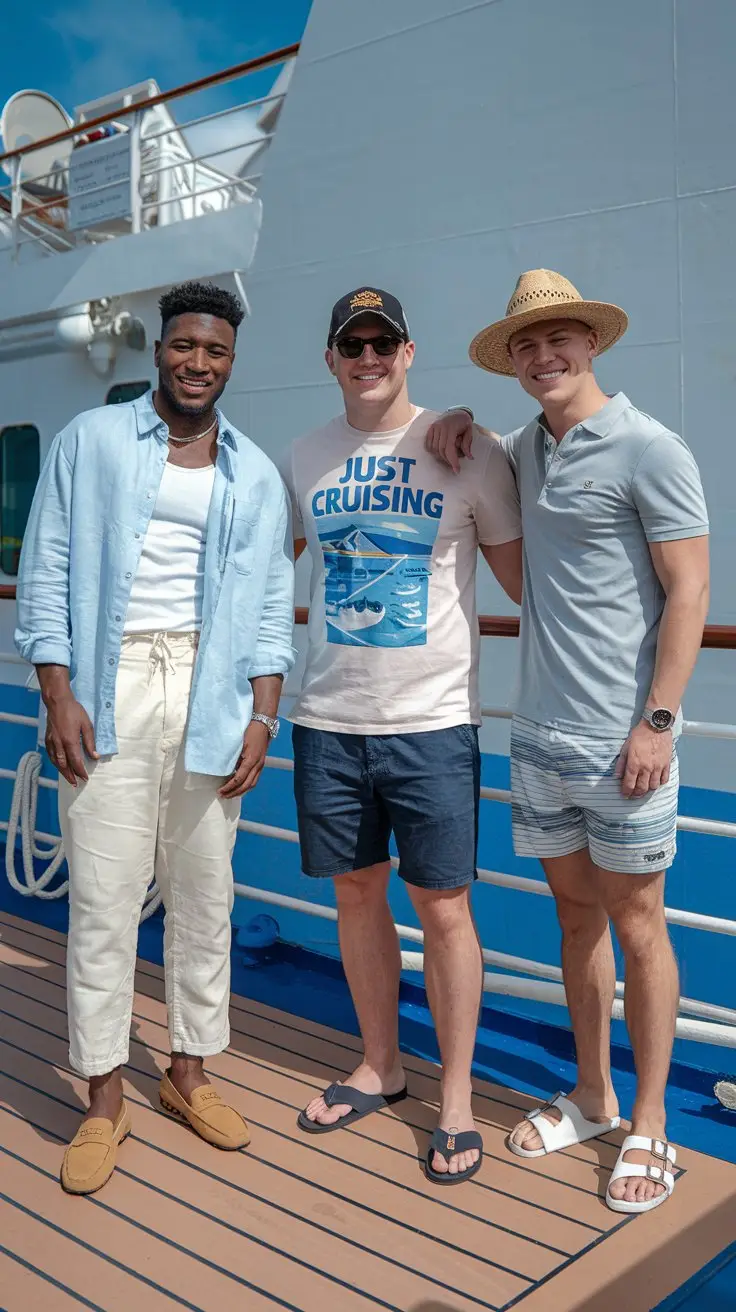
599	424
148	421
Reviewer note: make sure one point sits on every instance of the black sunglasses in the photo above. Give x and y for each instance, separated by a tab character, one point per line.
351	348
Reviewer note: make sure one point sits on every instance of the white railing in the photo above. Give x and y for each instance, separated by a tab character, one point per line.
703	1021
153	169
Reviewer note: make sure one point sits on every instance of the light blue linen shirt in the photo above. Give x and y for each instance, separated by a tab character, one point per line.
89	518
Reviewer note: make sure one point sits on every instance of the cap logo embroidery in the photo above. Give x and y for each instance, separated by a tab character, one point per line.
366	301
588	484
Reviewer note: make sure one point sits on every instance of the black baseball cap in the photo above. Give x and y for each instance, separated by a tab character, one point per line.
367	300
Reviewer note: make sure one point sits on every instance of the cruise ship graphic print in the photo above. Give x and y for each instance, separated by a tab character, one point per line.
377	572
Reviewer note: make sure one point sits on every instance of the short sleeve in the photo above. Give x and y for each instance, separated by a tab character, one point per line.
509	444
497	510
668	493
286	469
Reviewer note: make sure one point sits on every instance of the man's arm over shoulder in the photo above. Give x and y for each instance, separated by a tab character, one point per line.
43	634
498	515
275	652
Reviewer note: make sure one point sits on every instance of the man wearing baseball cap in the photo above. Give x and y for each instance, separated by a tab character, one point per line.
615	598
385	727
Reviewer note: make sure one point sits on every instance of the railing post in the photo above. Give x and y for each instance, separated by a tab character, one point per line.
16	203
136	215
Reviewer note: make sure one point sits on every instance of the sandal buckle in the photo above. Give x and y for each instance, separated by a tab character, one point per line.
654	1173
549	1105
660	1150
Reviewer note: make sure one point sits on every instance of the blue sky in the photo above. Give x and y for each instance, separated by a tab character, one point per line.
83	49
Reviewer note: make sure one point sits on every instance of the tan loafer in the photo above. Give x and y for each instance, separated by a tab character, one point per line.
91	1157
207	1114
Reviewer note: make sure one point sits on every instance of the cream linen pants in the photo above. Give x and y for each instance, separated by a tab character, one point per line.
139	815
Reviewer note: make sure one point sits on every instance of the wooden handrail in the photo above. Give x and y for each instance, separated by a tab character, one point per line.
507	626
722	636
199	84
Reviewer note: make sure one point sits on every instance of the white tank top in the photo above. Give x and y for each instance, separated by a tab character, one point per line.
169	583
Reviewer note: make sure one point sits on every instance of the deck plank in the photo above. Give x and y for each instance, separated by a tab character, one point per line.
281	1211
343	1222
30	1287
405	1131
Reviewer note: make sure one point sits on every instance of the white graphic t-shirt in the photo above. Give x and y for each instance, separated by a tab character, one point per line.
393	536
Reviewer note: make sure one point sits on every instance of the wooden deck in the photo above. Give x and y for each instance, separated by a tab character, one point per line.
346	1223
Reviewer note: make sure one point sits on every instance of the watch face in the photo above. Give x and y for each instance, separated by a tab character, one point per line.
662	719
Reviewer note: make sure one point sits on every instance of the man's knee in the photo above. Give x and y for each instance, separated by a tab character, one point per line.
640	930
581	917
442	911
635	905
362	888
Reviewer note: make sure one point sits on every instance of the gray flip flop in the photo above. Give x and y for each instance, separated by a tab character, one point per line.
447	1145
362	1104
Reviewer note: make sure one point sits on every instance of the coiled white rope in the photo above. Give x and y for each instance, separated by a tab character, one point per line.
22	818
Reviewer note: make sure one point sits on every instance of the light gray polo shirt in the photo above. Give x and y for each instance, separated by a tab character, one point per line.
590	505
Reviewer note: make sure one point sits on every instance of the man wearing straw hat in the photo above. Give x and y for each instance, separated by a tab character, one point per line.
615	598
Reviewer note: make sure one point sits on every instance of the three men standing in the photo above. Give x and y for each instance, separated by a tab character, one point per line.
155	598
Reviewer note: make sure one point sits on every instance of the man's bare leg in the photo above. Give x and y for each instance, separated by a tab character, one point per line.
635	904
590	977
453	976
372	962
187	1074
106	1095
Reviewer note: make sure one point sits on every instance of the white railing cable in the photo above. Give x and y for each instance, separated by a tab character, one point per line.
502	960
713	1024
539	981
22	819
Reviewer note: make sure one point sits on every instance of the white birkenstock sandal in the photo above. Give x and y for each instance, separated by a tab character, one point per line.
572	1128
662	1152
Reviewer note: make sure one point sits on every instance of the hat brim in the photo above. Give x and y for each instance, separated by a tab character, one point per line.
489	348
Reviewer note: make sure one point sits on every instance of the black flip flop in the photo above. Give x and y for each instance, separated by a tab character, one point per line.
362	1104
447	1145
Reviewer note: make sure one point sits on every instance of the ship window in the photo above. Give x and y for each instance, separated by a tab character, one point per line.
126	392
19	470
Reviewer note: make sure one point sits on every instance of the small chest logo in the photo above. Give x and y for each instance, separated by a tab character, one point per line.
587	484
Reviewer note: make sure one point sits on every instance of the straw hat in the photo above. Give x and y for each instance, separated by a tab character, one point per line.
543	294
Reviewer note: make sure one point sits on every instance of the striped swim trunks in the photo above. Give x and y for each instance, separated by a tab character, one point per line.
565	796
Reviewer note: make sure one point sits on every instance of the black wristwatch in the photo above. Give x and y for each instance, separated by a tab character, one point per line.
659	719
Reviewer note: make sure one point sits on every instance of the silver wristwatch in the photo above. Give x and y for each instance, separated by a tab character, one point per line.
271	724
659	719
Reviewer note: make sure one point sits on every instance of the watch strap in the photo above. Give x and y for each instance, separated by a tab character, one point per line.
271	724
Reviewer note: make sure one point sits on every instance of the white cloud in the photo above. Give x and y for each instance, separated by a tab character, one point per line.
398	528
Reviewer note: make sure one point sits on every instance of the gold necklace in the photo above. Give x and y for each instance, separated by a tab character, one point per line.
184	441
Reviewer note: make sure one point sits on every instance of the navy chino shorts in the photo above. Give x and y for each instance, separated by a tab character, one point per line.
352	791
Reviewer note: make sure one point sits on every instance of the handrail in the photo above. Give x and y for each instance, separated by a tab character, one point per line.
199	84
721	636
